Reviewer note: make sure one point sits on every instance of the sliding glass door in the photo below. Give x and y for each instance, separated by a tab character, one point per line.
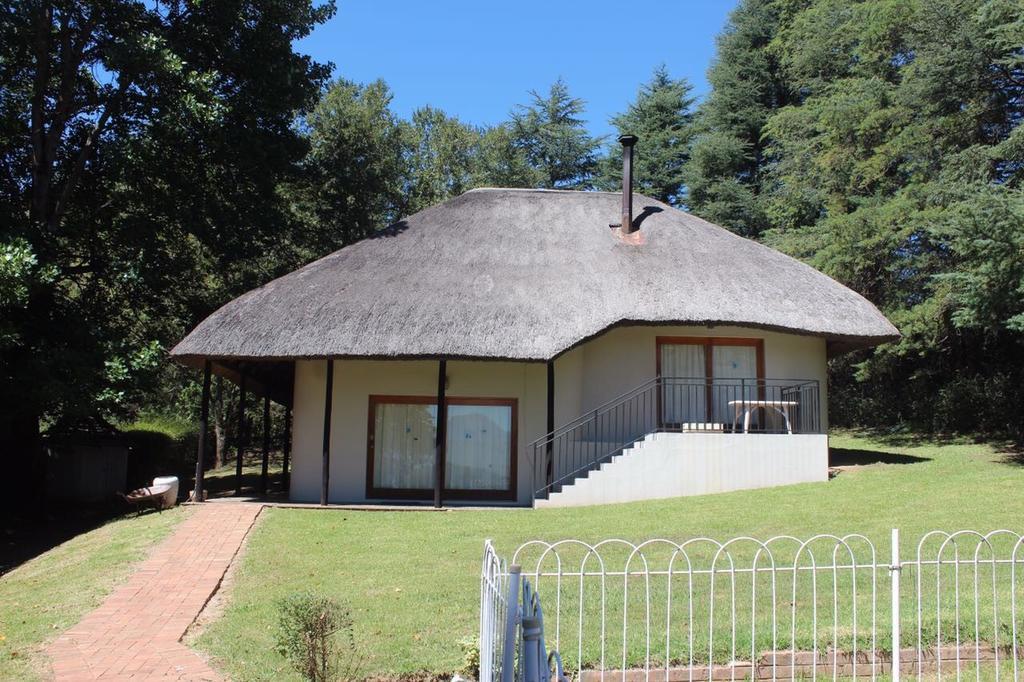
403	444
480	447
479	452
733	375
702	376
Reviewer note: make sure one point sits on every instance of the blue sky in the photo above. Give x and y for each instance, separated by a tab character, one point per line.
477	60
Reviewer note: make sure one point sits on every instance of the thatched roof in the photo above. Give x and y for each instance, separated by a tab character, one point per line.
527	275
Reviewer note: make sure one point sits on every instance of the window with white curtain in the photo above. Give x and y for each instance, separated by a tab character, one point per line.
478	456
684	398
732	368
404	438
479	444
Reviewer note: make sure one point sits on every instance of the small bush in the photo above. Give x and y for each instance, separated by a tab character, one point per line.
160	446
470	658
315	635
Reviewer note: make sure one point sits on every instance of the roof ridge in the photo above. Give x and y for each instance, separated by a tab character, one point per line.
539	190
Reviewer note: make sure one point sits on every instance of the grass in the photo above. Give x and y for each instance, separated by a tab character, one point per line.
412	578
220	482
171	426
47	595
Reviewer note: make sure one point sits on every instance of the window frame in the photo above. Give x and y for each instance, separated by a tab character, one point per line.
508	494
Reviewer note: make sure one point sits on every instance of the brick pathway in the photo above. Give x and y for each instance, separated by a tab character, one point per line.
135	633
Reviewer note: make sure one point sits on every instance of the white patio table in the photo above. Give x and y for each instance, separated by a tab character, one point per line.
748	406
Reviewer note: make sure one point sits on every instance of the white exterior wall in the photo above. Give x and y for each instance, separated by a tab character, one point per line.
625	357
356	380
585	377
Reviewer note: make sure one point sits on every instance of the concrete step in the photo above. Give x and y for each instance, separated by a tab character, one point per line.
679	464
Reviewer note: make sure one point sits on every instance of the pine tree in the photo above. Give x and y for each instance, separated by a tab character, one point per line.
662	118
724	173
554	139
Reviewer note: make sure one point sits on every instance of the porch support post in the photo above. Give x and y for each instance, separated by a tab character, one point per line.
440	442
325	470
241	437
549	470
287	446
264	467
204	425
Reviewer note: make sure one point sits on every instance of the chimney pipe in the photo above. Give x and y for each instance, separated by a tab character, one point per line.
627	142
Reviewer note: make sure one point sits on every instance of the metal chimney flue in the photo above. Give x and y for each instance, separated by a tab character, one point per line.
627	142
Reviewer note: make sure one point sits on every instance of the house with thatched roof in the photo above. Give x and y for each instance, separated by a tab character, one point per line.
543	347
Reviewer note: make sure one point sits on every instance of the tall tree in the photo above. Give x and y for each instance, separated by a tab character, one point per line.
500	162
440	150
353	180
724	175
142	148
898	171
661	117
553	136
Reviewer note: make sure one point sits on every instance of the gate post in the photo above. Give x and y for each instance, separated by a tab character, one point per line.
512	616
894	572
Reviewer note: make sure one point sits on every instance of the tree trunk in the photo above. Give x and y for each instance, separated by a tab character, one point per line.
219	431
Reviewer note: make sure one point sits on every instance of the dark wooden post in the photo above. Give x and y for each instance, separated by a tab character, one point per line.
440	443
287	447
549	471
264	467
241	436
204	426
325	473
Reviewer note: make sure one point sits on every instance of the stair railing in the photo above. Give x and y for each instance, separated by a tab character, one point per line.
671	404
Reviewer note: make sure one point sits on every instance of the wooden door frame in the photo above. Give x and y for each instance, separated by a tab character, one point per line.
709	342
509	494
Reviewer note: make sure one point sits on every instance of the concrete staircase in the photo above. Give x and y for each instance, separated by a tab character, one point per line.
665	465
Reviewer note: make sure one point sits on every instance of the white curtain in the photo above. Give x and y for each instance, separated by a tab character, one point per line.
403	446
479	439
730	365
683	401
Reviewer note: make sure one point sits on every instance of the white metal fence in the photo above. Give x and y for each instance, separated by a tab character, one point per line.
782	608
493	609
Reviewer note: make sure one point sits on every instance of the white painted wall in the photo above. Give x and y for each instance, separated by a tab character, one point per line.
625	357
585	377
683	464
356	380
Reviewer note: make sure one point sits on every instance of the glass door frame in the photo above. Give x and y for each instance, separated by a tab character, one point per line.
508	494
708	342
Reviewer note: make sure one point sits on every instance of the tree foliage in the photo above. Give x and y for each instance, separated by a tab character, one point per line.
142	147
551	132
725	175
352	179
662	117
890	157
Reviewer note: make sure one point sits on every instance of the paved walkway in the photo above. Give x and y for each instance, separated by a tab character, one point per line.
135	633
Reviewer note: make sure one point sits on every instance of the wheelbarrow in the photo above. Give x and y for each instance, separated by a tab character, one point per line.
163	494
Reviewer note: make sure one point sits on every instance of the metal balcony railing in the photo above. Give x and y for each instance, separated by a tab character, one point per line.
672	404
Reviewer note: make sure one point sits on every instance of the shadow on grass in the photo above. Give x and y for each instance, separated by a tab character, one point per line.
26	536
222	482
905	436
1011	454
845	457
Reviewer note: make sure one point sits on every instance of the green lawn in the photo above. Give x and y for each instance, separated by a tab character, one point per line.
47	595
412	578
